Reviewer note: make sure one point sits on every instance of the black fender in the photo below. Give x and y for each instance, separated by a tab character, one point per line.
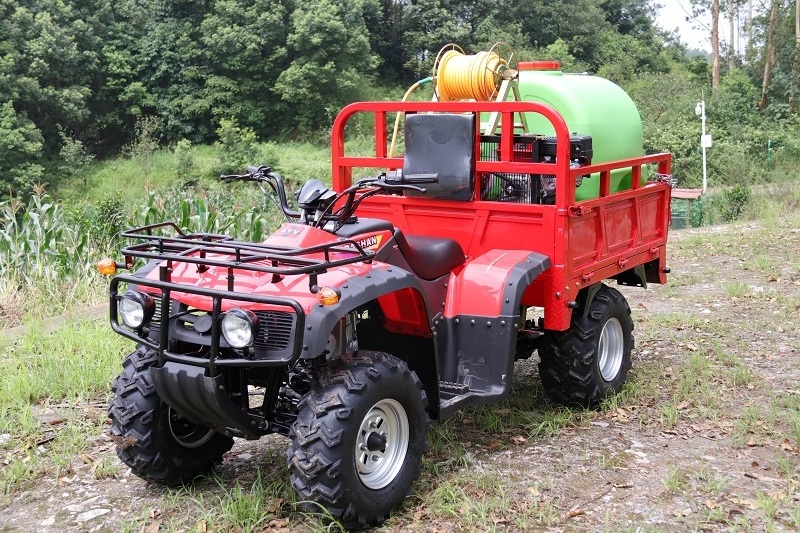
476	353
357	292
634	277
585	299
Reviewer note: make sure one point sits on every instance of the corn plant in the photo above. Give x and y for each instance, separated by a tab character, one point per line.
41	241
47	252
208	211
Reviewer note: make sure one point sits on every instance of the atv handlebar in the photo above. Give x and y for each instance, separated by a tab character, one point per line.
253	174
374	185
263	174
392	184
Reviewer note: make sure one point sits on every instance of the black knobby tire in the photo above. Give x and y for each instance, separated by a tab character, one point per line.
353	400
590	361
156	443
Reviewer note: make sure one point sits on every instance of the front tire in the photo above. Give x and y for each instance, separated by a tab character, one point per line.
358	440
152	439
590	361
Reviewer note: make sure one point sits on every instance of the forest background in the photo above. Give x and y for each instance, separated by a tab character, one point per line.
114	113
78	77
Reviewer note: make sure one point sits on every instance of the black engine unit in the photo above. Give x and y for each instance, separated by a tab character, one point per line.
580	148
580	154
529	188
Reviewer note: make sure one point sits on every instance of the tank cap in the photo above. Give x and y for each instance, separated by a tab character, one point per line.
539	65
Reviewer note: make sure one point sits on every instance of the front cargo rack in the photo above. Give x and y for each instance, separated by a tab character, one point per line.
235	255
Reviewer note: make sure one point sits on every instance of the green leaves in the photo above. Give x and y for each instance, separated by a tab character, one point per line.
282	68
20	143
236	146
331	60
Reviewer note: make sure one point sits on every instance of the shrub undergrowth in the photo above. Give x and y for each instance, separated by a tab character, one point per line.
48	247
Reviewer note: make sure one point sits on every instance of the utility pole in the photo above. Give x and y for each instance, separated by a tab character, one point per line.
705	140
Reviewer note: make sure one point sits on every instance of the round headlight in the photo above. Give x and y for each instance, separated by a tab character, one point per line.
238	327
136	308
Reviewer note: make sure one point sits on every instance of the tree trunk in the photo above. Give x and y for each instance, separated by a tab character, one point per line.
769	55
732	49
797	22
714	44
795	68
749	53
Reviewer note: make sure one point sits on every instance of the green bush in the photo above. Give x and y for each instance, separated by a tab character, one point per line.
20	147
145	143
736	198
185	161
236	146
740	133
74	155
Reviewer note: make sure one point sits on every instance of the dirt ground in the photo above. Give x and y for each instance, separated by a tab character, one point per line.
705	438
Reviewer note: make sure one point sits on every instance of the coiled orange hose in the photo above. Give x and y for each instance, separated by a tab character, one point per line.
464	77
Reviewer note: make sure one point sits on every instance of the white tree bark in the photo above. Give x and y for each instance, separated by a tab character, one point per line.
797	22
769	54
732	28
714	45
750	30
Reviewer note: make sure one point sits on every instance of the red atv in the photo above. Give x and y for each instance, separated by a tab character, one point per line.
395	300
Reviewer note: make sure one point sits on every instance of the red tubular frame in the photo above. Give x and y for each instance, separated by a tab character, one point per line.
587	241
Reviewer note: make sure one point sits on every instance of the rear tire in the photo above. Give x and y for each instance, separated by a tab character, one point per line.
152	439
590	361
358	440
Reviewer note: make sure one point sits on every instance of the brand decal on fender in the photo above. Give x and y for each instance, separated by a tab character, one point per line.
369	243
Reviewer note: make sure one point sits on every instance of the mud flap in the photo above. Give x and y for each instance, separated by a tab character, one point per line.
476	353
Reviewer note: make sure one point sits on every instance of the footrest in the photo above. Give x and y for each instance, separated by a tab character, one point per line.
447	387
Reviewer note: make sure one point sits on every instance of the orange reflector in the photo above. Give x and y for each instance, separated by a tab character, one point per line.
327	296
107	267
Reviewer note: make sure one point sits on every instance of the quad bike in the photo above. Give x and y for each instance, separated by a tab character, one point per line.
383	304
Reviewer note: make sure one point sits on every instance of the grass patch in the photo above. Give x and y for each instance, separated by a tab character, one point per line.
737	289
52	397
525	414
198	164
676	480
478	500
259	500
710	482
250	509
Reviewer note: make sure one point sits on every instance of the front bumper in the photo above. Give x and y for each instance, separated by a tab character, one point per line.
284	314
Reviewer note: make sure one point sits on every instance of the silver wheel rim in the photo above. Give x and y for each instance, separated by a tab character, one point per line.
185	433
611	348
381	444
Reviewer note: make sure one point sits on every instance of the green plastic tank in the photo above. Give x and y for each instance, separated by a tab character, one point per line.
592	106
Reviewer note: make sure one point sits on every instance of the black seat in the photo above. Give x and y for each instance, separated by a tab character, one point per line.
442	144
429	257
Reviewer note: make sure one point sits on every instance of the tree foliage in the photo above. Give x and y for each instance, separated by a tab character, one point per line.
20	144
97	68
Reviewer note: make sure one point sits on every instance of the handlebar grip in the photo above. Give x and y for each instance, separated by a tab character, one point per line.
257	169
421	178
